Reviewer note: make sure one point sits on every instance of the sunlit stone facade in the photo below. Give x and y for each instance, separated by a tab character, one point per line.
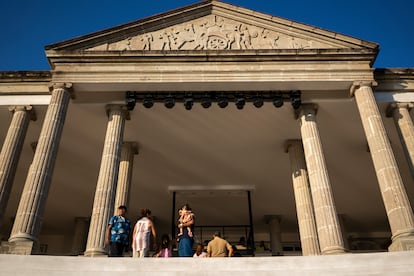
276	131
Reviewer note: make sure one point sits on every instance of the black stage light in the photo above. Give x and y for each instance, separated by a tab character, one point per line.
240	101
188	102
258	101
206	101
277	100
130	100
148	101
222	101
295	99
169	101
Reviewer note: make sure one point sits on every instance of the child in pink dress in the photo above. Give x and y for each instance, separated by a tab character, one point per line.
165	251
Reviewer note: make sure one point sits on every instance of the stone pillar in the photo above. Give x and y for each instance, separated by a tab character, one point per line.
106	186
303	198
275	235
10	152
402	119
398	208
129	149
344	231
329	230
80	235
29	214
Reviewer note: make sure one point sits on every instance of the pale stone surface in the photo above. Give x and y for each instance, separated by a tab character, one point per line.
401	114
397	205
190	72
402	244
345	235
214	25
106	186
214	32
129	149
180	51
32	202
310	72
17	248
329	231
303	199
393	263
10	152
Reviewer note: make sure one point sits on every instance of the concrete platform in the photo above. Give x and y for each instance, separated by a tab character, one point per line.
395	263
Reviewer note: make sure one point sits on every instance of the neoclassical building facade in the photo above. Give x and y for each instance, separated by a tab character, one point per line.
270	129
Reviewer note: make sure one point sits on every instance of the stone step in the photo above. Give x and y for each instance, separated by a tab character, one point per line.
389	263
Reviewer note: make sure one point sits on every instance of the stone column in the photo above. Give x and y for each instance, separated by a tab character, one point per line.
398	208
29	214
106	186
10	152
80	235
329	230
129	149
303	198
275	235
402	119
344	231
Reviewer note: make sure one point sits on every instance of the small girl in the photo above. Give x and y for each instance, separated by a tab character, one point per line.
200	252
165	251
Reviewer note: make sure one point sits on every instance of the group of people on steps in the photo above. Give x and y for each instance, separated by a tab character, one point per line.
120	236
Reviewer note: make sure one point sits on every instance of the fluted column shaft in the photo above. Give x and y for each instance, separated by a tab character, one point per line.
80	235
275	235
345	235
29	214
402	119
106	185
10	152
398	208
303	199
329	230
129	149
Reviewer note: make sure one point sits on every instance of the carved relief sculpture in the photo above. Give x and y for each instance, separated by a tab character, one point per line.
212	33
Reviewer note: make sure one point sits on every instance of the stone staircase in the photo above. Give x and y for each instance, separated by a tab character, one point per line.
393	263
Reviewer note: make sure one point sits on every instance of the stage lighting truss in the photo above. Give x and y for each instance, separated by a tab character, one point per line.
222	99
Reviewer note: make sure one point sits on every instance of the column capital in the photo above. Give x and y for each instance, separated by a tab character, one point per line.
269	218
392	106
28	108
361	83
292	142
307	108
62	85
123	108
134	146
23	237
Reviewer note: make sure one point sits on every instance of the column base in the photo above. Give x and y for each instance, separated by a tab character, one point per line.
95	252
17	247
22	237
402	244
333	251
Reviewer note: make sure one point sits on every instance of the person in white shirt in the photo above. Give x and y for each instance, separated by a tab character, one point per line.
141	235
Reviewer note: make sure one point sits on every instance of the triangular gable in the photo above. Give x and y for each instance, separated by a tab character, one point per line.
212	25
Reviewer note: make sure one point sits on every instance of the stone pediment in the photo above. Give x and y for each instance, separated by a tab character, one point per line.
213	32
211	25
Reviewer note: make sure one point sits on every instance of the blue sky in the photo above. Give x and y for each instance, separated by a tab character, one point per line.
26	26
